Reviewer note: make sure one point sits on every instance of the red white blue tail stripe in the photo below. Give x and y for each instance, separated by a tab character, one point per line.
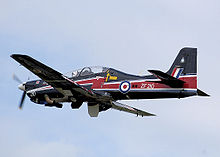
177	72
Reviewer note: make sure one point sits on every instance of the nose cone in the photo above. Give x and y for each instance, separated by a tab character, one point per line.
22	86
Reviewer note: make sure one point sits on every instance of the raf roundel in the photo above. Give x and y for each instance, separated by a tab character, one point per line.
124	86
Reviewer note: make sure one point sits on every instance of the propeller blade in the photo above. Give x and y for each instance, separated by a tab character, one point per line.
22	100
16	78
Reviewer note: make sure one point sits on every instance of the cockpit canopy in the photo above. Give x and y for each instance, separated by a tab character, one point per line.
86	71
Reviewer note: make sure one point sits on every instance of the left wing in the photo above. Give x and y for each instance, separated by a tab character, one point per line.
126	108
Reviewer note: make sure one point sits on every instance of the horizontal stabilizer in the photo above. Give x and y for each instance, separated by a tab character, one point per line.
167	79
201	93
126	108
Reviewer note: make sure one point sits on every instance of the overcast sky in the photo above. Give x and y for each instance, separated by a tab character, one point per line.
132	36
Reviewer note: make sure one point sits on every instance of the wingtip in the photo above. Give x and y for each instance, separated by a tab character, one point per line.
147	114
12	55
152	115
16	55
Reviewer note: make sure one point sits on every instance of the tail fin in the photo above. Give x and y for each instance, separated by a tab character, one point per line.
185	63
184	67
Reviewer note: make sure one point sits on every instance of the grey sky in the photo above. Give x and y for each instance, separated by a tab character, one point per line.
132	36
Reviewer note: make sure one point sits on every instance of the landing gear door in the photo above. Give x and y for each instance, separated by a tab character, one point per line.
93	110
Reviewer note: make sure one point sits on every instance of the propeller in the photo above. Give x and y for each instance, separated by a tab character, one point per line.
22	100
21	87
15	77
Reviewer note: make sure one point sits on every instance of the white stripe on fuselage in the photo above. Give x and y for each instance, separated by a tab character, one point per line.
150	89
40	89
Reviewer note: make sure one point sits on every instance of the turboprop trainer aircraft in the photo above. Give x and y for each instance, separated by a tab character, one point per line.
102	87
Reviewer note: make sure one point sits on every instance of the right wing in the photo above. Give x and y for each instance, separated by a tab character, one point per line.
126	108
54	78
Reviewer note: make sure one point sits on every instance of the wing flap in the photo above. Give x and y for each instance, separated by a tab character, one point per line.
129	109
167	79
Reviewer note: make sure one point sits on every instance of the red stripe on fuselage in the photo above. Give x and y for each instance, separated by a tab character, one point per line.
95	82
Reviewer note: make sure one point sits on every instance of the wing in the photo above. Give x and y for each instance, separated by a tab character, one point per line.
126	108
167	79
57	80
